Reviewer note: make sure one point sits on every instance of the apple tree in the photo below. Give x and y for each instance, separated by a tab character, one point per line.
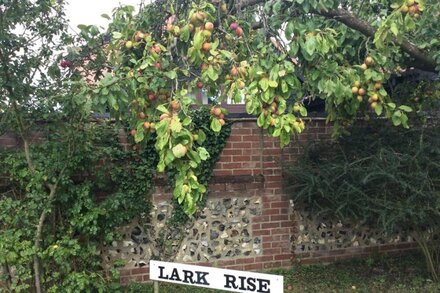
273	55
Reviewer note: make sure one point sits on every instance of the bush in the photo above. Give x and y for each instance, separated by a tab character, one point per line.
384	177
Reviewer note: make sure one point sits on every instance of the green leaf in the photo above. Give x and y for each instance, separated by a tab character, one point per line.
273	83
198	40
117	35
261	119
405	108
264	84
203	153
171	74
394	29
310	45
215	125
162	109
378	109
175	125
212	74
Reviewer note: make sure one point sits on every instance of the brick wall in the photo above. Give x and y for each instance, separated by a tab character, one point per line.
251	165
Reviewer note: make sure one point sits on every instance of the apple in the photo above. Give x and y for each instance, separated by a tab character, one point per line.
175	105
369	60
129	44
200	84
209	26
204	66
217	111
357	84
224	8
360	98
157	65
164	116
206	46
66	63
233	26
152	97
377	86
142	115
374	98
239	31
373	105
354	90
362	92
179	150
364	66
133	132
234	71
146	125
404	8
222	121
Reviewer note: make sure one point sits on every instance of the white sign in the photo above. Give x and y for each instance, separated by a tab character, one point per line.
214	278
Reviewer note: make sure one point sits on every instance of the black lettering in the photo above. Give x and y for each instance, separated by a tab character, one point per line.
201	278
262	285
230	282
251	284
161	276
242	279
188	277
175	275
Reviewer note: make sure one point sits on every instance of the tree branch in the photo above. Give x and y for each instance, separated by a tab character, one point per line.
345	17
422	58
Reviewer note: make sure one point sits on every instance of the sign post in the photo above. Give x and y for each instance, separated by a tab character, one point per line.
215	278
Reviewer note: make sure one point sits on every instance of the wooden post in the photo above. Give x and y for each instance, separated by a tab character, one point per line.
156	286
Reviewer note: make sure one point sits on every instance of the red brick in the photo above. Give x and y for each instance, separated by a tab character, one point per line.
241	261
256	226
283	256
279	218
253	267
270	225
242	172
138	271
280	231
222	263
271	211
261	232
264	258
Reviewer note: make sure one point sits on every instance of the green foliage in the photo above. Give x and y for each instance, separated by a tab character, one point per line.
377	176
101	180
214	144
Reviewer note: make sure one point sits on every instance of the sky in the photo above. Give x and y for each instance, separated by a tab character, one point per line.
90	11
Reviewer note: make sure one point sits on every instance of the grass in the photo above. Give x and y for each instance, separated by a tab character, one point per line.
379	273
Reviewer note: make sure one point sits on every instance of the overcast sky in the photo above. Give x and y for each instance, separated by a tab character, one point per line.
90	11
